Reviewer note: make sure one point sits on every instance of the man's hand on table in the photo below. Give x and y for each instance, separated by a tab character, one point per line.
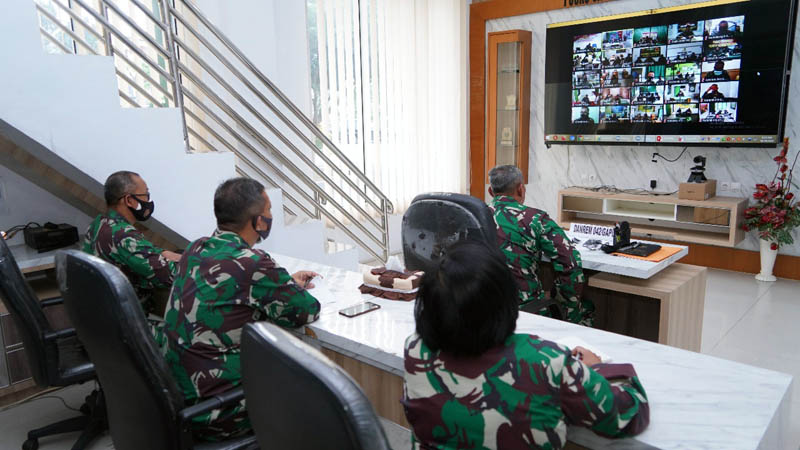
171	256
586	356
304	277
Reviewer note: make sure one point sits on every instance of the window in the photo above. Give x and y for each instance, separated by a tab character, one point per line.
389	89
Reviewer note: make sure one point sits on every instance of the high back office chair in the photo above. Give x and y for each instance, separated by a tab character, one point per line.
298	399
145	406
437	220
55	357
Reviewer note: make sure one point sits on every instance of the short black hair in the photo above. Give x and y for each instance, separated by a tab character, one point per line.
118	185
237	201
469	302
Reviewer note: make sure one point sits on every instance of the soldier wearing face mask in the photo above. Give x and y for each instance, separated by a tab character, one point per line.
112	237
222	284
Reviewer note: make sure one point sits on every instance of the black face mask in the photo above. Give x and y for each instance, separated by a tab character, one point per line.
262	234
145	209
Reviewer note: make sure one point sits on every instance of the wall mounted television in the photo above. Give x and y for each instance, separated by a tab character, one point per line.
712	73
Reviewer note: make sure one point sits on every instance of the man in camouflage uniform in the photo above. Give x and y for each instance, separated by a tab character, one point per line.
526	233
112	237
222	284
518	395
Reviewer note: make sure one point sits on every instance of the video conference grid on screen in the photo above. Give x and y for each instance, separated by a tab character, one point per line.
683	72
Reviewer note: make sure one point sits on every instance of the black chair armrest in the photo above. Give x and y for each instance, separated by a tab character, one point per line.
60	334
227	398
51	302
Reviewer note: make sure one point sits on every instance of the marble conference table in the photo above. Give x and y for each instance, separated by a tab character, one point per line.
696	401
620	265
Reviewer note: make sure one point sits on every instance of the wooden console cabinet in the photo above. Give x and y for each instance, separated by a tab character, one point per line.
15	374
715	221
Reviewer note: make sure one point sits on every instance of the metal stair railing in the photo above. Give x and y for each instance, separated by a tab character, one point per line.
169	54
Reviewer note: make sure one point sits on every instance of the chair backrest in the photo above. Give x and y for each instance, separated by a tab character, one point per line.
437	220
297	398
142	397
26	311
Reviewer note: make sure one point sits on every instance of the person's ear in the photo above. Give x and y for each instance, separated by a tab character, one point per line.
491	192
521	190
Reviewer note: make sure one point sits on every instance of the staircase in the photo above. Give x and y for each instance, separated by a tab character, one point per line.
158	89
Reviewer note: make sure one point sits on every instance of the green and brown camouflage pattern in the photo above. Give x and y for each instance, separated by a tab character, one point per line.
111	238
221	285
519	395
524	235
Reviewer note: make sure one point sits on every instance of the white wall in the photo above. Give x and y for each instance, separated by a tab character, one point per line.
23	202
70	105
630	167
271	33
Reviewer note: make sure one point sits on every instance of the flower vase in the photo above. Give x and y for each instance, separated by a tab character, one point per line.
768	256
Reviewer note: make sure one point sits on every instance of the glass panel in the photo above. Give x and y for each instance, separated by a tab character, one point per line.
508	58
506	128
506	155
508	75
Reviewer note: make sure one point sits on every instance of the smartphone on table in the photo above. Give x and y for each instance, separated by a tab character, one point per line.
361	308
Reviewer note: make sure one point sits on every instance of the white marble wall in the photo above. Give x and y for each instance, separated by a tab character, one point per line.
630	167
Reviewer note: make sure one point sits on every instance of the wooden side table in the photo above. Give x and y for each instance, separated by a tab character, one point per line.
666	308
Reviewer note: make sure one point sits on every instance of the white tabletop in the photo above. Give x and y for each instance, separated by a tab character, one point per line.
27	257
620	265
591	259
696	401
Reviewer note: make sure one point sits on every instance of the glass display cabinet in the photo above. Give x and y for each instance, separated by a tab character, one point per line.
509	89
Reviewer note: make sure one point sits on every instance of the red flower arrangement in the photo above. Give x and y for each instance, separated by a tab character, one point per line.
775	215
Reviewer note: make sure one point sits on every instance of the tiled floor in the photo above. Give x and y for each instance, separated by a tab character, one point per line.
744	320
755	323
15	422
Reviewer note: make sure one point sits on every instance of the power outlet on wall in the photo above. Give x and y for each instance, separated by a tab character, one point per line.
729	186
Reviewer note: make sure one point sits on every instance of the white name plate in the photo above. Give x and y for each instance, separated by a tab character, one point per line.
597	231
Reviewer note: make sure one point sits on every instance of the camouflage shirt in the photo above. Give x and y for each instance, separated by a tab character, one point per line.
112	238
518	395
524	235
223	284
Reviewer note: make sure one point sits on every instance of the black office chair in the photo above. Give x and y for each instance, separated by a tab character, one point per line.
145	406
298	399
437	220
55	357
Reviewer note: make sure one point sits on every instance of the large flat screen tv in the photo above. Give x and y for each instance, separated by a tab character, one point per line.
713	73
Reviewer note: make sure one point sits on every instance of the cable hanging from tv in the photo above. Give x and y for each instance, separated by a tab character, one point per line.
659	155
